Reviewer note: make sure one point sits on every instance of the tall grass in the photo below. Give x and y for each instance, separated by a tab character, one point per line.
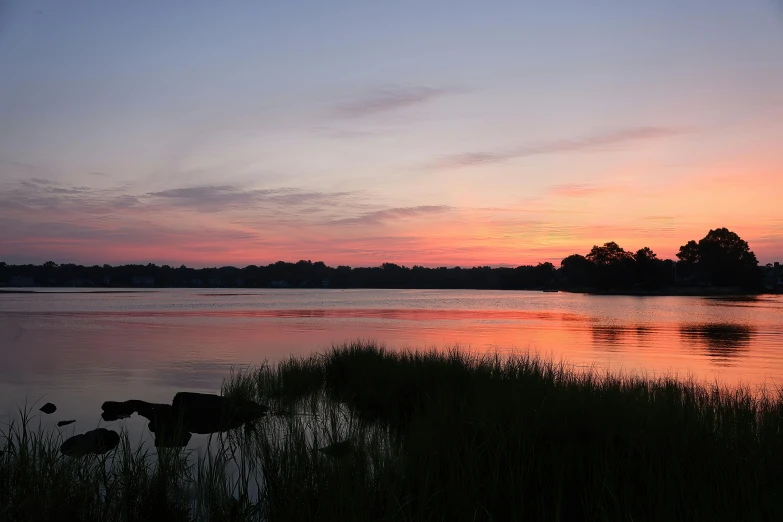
431	436
456	436
131	483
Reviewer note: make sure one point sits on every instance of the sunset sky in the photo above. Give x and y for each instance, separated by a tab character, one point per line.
416	132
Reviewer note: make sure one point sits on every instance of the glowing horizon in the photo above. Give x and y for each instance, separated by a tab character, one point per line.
502	135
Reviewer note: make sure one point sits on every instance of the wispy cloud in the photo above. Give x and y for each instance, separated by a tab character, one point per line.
209	198
222	220
215	198
46	201
587	143
380	216
388	99
43	181
471	159
577	190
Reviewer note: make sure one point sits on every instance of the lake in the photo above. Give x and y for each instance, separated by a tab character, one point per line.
80	348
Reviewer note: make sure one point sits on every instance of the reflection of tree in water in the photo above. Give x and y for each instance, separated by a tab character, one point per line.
642	330
609	336
749	301
721	340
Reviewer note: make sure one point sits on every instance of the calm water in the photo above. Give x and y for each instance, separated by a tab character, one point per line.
79	349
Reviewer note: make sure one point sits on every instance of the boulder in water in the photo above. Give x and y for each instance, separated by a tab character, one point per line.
113	410
189	413
167	425
206	413
96	441
339	450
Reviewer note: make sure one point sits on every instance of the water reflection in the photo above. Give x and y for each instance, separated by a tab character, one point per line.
615	338
769	302
404	314
609	338
720	340
734	299
75	348
643	330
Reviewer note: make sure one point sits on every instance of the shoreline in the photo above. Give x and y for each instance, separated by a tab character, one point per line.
668	292
76	291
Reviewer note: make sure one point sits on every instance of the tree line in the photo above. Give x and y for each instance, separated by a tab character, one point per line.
721	258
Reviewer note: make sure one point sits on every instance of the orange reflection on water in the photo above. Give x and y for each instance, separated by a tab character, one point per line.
161	342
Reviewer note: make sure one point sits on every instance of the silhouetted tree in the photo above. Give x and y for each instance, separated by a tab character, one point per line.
577	270
544	274
688	259
720	258
651	272
614	265
608	254
726	259
645	255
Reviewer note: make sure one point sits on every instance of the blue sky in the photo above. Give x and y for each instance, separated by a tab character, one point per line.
363	132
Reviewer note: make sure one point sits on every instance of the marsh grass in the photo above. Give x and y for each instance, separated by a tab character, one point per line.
130	483
458	436
431	436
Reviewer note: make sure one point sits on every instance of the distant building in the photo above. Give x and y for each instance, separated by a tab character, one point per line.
143	281
19	280
281	283
325	282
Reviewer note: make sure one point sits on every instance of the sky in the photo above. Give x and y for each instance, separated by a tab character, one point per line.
434	133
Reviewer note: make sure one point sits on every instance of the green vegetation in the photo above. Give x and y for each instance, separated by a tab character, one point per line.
362	433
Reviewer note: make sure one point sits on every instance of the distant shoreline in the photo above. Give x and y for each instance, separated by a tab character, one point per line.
667	292
76	291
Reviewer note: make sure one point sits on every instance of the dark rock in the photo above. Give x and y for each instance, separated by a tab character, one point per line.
339	450
167	425
159	415
206	413
48	408
116	410
173	424
164	422
96	441
122	410
65	423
